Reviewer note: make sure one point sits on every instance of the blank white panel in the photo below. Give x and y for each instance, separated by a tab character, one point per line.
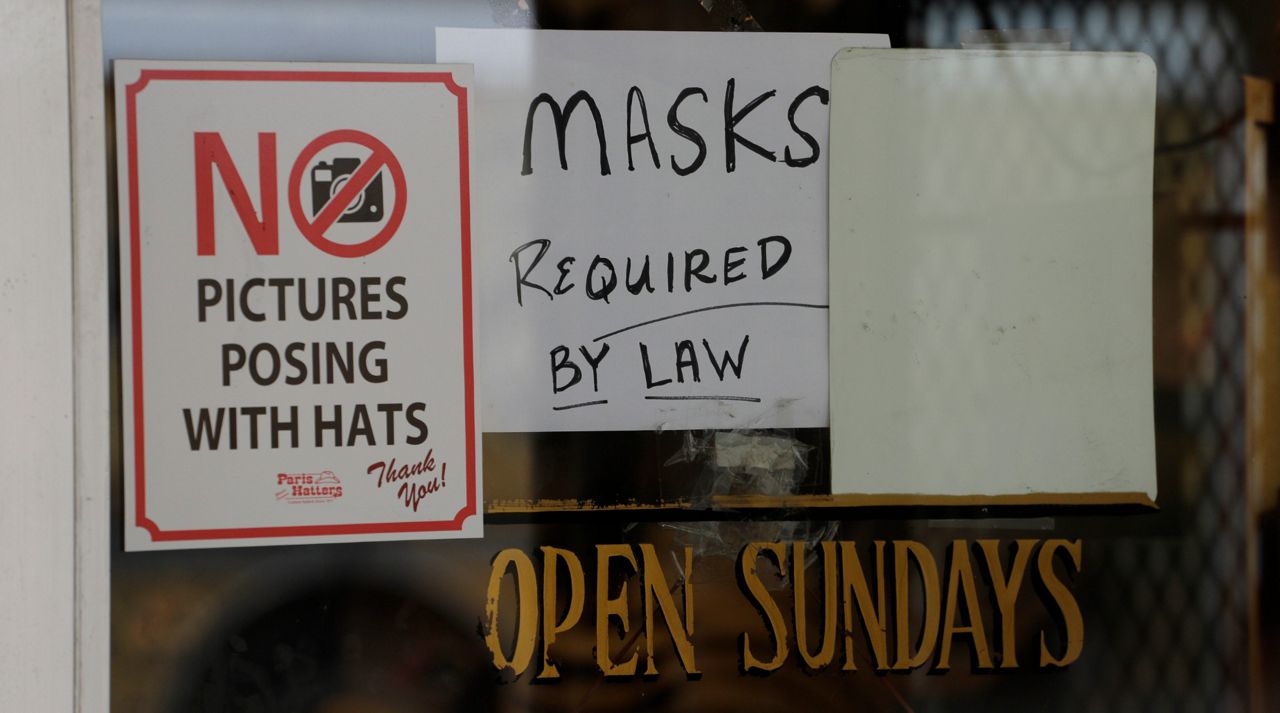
991	272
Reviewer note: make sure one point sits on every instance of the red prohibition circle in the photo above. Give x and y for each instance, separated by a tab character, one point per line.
313	229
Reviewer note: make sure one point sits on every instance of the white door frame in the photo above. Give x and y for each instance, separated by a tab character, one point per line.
92	357
39	326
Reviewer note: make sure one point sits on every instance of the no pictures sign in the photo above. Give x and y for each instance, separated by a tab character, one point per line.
296	303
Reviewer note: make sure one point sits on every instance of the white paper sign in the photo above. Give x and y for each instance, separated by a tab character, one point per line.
651	227
295	302
991	274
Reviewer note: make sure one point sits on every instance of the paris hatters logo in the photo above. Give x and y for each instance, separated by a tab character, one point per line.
300	488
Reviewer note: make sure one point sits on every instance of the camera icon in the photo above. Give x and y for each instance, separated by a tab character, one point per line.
329	178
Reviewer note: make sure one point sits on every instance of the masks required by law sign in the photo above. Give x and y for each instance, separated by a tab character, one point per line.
296	325
651	243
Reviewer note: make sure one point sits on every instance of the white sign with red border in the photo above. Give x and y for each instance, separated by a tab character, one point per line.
296	320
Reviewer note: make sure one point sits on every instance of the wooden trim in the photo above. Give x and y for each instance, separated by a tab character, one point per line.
550	505
852	500
855	500
1262	354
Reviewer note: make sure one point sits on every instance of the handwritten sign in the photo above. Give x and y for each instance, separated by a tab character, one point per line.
296	309
651	227
991	275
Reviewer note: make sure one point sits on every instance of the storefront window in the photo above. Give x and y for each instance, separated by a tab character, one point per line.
718	568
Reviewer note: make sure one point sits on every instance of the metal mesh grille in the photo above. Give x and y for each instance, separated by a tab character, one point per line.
1167	613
